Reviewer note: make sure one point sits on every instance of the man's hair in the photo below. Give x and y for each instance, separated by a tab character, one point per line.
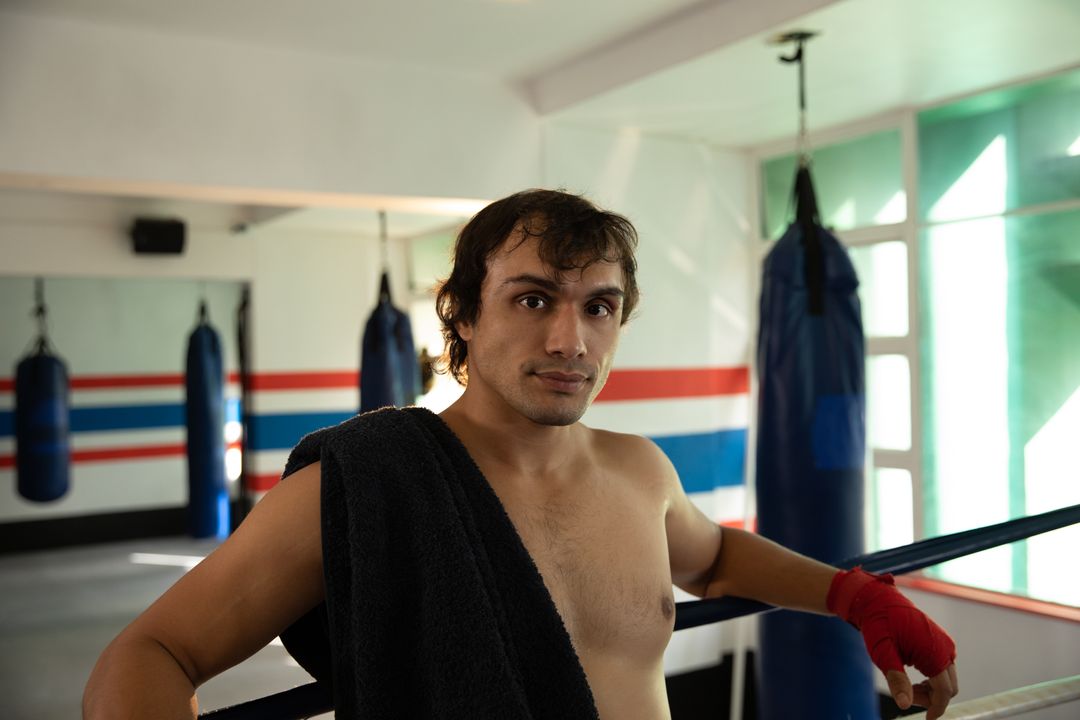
573	234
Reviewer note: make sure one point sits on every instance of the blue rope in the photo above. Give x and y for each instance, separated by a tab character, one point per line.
897	561
313	699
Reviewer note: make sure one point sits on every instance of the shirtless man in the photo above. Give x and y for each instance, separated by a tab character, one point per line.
542	285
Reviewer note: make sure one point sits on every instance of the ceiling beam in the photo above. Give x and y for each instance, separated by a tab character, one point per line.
686	35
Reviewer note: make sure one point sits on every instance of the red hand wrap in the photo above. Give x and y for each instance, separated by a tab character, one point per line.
896	632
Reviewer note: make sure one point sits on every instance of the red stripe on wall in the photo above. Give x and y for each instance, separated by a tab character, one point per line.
305	380
262	483
739	524
127	453
628	384
107	454
675	383
110	382
260	381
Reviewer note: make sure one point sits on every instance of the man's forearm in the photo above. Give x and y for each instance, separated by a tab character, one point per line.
754	567
138	678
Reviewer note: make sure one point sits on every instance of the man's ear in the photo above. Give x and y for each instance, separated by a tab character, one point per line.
464	330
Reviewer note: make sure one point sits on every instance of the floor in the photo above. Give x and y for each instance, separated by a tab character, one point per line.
60	608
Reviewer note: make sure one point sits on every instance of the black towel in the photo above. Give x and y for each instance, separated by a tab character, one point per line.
434	607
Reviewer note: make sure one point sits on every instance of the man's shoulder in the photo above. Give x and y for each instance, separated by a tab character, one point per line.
628	449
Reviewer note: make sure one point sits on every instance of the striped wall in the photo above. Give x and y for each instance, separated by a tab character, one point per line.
696	415
128	445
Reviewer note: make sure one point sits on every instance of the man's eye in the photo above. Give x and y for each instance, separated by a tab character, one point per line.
599	310
533	302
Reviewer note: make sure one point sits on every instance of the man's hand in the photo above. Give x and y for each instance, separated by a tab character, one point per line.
897	633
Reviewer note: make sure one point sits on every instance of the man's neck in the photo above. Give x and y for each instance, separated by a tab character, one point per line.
496	435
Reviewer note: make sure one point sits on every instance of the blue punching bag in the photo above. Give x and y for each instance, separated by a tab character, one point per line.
208	498
389	370
810	460
42	420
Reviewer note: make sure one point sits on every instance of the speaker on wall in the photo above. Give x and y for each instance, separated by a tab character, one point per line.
158	236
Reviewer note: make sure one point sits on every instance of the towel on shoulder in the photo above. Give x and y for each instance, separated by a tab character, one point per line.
434	608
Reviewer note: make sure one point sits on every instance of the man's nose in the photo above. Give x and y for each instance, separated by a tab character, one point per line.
566	333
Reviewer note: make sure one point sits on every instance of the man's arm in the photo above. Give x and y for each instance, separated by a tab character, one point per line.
267	574
708	561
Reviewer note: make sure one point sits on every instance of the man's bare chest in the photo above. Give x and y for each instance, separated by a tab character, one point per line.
602	553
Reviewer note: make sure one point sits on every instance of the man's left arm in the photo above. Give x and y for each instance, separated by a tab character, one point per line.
709	561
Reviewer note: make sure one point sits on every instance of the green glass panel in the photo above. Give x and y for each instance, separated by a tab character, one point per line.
859	183
1000	338
883	287
1001	151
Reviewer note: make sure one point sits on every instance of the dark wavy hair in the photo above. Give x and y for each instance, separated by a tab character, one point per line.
573	235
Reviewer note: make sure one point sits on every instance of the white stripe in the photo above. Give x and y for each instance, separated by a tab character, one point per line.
127	396
105	487
264	462
114	439
671	417
722	504
288	401
128	438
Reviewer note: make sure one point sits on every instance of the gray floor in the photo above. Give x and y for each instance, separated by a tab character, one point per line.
58	610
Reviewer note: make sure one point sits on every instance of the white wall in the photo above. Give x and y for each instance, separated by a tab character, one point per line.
85	99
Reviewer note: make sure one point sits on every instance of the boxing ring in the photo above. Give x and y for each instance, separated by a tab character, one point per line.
313	699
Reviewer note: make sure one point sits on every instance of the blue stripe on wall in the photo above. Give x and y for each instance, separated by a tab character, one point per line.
282	432
125	417
128	417
704	461
96	419
707	460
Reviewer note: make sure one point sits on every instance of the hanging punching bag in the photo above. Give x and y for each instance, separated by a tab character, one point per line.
42	419
389	370
208	498
810	460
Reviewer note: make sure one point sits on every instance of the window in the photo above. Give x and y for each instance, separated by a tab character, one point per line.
973	383
999	266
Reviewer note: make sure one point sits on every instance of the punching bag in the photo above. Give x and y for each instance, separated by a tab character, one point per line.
810	461
389	369
42	419
208	498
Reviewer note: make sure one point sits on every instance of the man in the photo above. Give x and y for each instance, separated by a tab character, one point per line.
541	286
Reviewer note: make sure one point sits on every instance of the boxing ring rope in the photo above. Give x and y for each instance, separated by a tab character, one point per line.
312	699
1013	702
899	560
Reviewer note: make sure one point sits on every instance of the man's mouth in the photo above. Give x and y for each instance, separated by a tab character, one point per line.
562	382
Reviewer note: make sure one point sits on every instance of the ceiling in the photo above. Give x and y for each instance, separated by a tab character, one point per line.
678	68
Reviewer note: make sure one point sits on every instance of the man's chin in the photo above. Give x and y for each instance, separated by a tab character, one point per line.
556	417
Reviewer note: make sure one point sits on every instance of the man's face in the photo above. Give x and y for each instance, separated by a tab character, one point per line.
543	347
